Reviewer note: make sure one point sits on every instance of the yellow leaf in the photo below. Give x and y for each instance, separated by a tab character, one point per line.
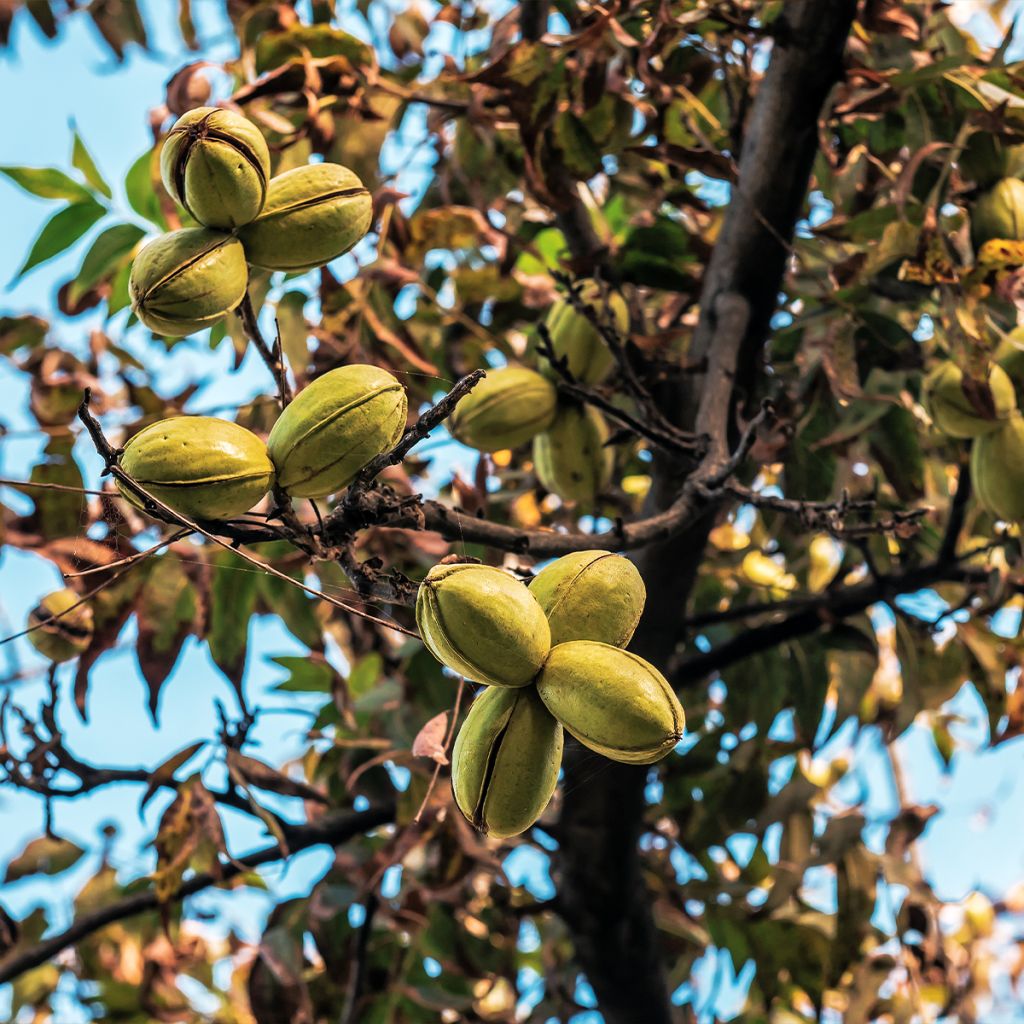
825	556
766	572
727	538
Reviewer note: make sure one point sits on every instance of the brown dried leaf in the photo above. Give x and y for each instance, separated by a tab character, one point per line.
164	773
430	740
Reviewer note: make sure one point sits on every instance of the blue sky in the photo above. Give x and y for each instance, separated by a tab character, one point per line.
976	842
109	105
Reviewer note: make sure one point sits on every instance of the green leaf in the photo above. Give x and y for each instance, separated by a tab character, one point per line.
549	245
163	774
274	49
119	297
365	674
308	675
579	154
110	249
21	332
294	334
232	601
47	855
57	513
61	232
47	183
656	256
139	189
166	616
296	609
82	160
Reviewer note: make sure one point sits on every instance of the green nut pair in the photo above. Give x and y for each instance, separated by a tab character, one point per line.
964	408
61	626
612	701
563	633
514	405
199	466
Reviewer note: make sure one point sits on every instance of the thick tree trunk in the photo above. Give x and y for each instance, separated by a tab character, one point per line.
602	894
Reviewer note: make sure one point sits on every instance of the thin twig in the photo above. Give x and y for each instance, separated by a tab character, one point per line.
358	961
604	322
4	481
129	559
270	355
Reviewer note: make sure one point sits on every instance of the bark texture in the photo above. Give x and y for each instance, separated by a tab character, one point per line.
602	893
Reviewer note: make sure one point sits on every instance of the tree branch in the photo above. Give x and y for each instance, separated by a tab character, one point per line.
331	830
812	614
161	510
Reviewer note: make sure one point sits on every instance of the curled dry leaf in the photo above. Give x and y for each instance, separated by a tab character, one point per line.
430	740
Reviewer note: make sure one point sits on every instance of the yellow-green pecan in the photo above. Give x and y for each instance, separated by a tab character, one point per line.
216	164
482	623
505	761
312	215
960	407
187	280
591	595
63	638
999	213
1009	354
202	467
506	409
576	339
570	457
334	427
997	470
612	701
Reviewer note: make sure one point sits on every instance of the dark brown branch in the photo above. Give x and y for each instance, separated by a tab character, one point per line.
533	18
358	968
331	830
815	613
957	512
454	525
833	517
